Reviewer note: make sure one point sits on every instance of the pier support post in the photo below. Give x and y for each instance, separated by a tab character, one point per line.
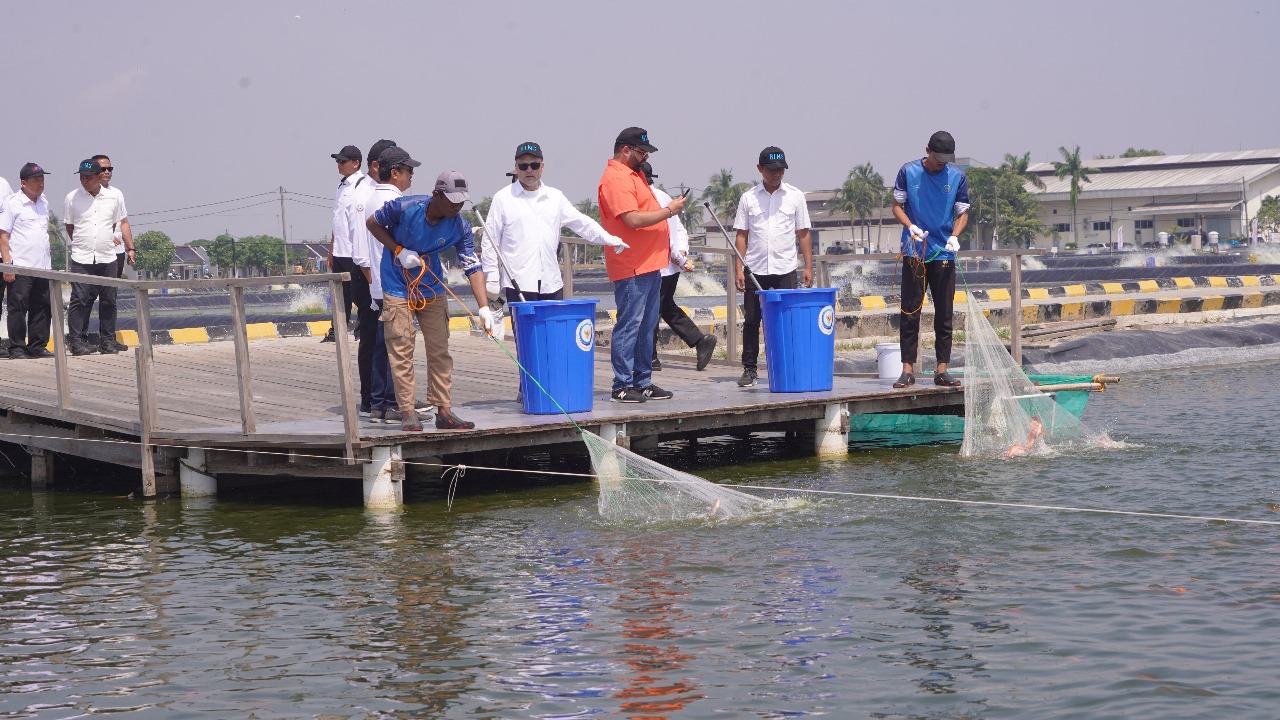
610	467
193	480
384	478
41	468
831	436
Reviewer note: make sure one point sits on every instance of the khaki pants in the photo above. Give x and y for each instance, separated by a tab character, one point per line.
398	329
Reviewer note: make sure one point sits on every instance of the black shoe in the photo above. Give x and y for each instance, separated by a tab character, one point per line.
706	348
945	380
748	378
363	410
38	354
449	421
82	349
119	345
906	379
328	337
108	349
17	352
627	395
657	365
653	392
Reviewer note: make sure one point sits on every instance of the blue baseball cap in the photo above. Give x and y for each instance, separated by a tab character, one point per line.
90	167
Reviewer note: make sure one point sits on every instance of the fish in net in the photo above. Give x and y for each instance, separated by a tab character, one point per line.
636	489
1005	414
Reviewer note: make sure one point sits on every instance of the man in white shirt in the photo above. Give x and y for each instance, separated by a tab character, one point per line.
348	159
523	230
91	214
5	191
395	175
772	218
671	313
124	234
24	241
362	279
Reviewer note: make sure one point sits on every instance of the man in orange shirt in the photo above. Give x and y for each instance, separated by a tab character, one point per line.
629	210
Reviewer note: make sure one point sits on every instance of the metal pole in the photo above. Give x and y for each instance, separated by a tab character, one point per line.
284	236
1015	307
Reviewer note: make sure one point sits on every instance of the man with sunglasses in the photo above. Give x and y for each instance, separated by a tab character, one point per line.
124	234
629	210
348	159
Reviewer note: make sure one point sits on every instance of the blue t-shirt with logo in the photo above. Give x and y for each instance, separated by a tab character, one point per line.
406	219
933	200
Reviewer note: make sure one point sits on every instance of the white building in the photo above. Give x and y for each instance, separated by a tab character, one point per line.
1181	194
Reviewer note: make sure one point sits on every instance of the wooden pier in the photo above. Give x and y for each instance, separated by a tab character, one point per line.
186	414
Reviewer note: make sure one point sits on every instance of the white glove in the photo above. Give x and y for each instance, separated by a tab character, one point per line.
953	244
409	259
486	319
493	289
617	244
916	232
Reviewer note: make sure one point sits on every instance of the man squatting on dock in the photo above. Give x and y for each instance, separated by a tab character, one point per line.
931	200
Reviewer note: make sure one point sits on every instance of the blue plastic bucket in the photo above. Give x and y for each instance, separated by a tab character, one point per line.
556	343
800	338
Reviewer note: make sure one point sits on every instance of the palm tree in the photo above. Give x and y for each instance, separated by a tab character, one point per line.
723	194
1018	166
861	193
1073	167
57	245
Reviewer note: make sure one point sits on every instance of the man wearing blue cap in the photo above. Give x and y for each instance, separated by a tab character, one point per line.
931	200
91	214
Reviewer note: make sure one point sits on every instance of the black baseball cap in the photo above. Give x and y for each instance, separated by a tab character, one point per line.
647	169
375	152
529	148
636	137
350	152
31	170
396	156
90	167
773	158
943	146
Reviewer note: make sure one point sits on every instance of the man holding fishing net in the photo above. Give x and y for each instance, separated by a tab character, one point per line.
931	200
416	230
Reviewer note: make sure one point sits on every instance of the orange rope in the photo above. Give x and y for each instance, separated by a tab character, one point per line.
413	285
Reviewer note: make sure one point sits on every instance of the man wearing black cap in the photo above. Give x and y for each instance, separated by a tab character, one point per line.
671	313
772	219
348	159
931	200
92	214
24	241
629	210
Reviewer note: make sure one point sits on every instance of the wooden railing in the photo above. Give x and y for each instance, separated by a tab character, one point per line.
144	357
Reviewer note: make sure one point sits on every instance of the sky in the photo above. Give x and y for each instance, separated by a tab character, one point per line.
200	103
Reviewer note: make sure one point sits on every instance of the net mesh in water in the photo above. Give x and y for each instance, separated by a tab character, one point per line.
1005	413
636	489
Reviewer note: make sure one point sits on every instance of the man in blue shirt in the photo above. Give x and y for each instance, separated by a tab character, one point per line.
931	200
415	229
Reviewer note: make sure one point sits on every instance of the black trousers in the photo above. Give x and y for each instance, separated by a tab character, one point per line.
751	312
29	313
4	289
366	333
83	296
347	265
940	277
674	316
121	261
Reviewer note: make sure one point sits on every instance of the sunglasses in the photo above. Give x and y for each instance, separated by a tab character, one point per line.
529	166
107	168
404	168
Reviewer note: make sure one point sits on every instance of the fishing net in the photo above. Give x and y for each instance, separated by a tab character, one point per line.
636	489
1005	413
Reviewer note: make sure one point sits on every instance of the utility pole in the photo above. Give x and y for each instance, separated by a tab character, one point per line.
283	236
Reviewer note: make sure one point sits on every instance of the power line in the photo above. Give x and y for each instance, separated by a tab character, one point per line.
303	202
219	212
194	207
314	197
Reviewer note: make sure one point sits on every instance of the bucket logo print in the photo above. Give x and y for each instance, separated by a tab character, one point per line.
585	335
827	320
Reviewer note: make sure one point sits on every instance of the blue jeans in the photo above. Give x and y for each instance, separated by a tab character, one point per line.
631	347
383	390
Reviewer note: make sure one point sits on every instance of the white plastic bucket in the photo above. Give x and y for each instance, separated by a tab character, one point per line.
889	359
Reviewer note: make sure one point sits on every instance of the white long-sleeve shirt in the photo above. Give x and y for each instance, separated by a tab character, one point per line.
375	250
342	214
525	227
679	236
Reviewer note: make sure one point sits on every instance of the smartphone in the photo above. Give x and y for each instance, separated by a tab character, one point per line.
686	192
